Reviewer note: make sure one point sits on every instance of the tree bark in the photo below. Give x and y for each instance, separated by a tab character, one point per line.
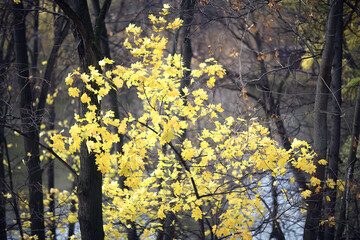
71	230
343	219
187	14
320	124
2	182
5	55
90	179
35	48
276	232
28	114
335	120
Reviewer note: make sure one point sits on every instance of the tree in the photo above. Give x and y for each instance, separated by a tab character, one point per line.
335	119
220	152
5	60
28	117
320	121
90	179
344	214
32	110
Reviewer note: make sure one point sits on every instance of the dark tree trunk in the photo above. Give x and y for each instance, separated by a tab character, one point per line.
168	232
2	182
187	14
344	214
5	55
276	232
352	159
320	124
71	231
90	179
28	127
35	48
90	197
31	118
335	120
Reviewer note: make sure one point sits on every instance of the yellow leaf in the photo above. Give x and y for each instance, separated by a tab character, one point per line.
85	98
167	136
330	183
305	194
72	218
69	80
175	24
292	180
74	92
315	181
322	162
197	214
307	63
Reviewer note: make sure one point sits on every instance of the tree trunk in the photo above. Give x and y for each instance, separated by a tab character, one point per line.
343	219
187	14
320	124
335	120
27	114
352	160
90	179
2	182
276	232
71	230
168	232
5	55
35	47
90	197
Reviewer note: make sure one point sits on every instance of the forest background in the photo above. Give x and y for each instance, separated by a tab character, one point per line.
179	119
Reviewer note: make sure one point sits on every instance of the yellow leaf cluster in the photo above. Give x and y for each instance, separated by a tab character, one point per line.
216	171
